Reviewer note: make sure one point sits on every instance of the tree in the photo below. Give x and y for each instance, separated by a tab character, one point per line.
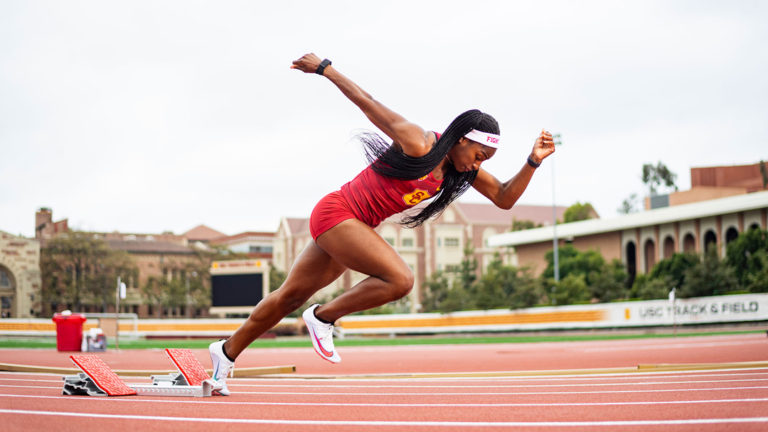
578	212
435	292
78	269
710	276
747	256
648	288
468	269
629	205
276	278
520	225
674	268
604	281
658	175
609	283
571	289
503	286
757	281
182	286
442	295
456	295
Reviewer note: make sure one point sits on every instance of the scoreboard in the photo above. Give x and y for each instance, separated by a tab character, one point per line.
237	286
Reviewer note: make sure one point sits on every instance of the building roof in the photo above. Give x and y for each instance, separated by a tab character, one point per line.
480	213
148	246
203	233
660	216
248	235
8	236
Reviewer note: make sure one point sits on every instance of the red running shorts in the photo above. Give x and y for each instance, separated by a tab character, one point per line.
332	210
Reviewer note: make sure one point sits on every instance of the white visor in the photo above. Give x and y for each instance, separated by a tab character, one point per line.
484	138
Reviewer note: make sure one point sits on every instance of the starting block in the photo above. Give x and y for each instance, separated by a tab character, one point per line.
97	379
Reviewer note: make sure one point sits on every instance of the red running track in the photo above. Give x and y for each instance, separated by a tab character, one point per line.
730	399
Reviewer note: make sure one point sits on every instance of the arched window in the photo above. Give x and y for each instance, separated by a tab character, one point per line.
669	247
631	263
731	234
650	255
8	286
710	240
689	243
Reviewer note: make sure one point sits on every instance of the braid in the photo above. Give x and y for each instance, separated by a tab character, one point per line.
390	161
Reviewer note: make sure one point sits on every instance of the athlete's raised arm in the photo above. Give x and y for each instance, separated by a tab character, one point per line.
506	194
413	140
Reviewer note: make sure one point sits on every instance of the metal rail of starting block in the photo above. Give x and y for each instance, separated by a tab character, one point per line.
203	390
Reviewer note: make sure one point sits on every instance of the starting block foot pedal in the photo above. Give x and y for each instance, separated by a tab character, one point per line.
97	379
191	372
188	365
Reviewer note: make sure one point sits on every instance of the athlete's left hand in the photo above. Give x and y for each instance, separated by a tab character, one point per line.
543	147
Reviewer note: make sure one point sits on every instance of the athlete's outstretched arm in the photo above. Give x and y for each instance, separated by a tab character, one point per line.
506	194
410	137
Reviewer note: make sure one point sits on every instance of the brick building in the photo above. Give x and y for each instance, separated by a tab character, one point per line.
19	276
437	245
722	203
255	244
709	183
165	256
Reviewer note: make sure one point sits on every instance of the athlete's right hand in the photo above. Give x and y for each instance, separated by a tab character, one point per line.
308	63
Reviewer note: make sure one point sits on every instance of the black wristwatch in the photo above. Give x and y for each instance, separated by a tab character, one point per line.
323	64
532	163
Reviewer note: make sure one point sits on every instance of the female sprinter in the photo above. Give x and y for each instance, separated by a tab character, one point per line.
417	165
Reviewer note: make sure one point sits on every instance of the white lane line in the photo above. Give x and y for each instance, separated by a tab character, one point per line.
315	393
458	424
186	401
330	379
670	346
318	393
623	384
417	386
498	375
32	387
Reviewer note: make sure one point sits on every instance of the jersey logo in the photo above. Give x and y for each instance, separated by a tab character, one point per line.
416	197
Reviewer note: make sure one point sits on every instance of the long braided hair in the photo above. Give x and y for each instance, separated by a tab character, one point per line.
390	161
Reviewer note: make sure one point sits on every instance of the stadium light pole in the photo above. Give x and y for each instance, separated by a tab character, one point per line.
556	263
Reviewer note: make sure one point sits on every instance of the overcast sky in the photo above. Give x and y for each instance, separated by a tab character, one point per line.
151	116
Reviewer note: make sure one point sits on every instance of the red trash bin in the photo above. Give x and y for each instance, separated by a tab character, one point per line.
69	331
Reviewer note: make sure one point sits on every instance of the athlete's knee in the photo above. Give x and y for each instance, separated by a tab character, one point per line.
284	300
401	283
291	302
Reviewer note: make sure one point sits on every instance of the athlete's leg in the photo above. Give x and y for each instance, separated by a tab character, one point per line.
313	270
355	245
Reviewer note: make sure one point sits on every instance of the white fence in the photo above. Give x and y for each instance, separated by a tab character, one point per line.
702	310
